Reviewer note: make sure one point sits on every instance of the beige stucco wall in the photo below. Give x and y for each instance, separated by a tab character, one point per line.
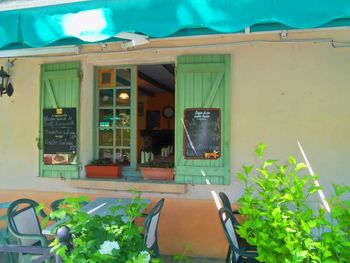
281	93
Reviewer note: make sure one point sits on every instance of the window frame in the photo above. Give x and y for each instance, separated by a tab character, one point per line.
133	108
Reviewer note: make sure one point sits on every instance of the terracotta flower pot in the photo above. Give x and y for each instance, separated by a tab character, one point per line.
97	171
157	173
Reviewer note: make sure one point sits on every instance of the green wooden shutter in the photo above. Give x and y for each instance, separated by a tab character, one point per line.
60	84
203	82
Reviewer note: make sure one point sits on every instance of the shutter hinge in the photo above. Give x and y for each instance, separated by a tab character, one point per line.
38	143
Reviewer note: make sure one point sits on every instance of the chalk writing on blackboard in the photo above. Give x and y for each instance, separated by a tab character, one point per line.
60	136
202	133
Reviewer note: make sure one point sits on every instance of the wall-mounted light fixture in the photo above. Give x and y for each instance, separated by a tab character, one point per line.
5	83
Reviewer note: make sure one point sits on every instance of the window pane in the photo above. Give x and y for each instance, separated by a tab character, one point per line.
106	97
122	118
123	97
126	137
118	137
126	157
122	77
118	155
105	118
106	77
106	137
106	154
123	155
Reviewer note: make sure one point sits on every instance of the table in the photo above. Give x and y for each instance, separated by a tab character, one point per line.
100	206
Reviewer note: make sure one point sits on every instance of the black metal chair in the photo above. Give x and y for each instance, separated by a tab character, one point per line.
24	225
225	202
55	204
238	253
151	226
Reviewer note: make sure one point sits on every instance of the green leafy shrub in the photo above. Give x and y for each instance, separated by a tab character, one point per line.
183	256
335	231
280	220
158	164
99	239
104	162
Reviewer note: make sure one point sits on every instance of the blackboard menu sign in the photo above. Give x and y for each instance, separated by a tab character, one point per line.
60	136
202	133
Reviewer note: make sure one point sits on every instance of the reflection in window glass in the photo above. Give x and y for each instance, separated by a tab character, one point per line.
123	156
106	77
123	97
122	77
126	157
126	137
106	137
105	118
118	155
114	109
122	118
106	97
118	137
106	154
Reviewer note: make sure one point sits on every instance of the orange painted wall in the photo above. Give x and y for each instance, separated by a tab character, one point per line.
182	222
158	102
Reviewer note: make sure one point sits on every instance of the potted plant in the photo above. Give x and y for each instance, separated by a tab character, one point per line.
108	238
102	168
158	170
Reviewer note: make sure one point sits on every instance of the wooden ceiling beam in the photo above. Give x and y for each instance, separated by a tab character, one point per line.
126	82
170	68
146	91
154	82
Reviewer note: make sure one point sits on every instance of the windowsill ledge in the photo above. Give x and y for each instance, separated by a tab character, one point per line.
125	185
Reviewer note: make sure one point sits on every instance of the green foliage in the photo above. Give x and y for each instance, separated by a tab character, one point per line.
183	257
336	238
280	220
158	164
98	239
103	162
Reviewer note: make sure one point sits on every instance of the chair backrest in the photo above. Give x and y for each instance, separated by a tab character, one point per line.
22	219
227	221
225	201
151	224
55	204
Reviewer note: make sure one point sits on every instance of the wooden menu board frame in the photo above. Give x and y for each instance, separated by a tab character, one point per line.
202	125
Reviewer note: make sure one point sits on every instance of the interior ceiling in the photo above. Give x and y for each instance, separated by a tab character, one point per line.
156	78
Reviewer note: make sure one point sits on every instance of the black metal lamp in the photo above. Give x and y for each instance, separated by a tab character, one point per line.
5	86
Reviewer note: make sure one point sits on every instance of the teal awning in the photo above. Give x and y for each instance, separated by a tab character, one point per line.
98	20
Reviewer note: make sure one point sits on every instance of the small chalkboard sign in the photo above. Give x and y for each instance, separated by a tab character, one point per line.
60	135
202	133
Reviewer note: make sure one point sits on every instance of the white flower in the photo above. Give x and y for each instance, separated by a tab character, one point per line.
145	256
108	246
